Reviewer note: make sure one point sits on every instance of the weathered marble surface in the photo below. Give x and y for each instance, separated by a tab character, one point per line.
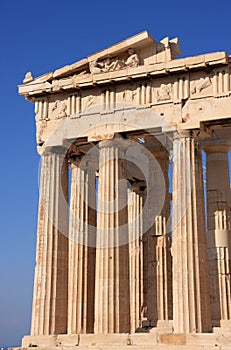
129	270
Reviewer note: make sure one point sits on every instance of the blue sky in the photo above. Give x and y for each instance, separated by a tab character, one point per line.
43	36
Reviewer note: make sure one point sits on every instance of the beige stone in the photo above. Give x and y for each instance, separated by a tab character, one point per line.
174	339
82	250
52	248
191	308
102	339
115	268
219	230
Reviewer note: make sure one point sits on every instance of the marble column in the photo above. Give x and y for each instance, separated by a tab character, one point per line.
163	249
159	274
219	228
49	311
191	307
135	257
112	308
82	236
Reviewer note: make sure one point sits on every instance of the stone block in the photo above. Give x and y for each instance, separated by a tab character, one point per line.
195	61
173	339
39	340
202	338
216	57
104	339
163	324
143	339
224	339
137	347
68	339
225	324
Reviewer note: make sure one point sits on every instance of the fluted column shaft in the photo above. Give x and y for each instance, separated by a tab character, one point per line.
82	235
159	276
49	312
135	257
112	308
191	309
163	249
163	160
219	229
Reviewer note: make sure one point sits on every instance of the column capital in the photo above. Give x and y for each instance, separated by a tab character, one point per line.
216	145
59	150
117	142
180	134
188	134
86	162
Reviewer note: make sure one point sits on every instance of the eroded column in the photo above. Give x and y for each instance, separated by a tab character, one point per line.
191	308
163	250
49	312
159	277
112	309
135	257
82	240
219	230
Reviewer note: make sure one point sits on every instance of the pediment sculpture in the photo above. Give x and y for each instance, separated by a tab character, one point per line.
118	63
137	51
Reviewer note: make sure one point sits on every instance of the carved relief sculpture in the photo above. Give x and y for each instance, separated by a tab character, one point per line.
109	65
200	85
164	92
59	110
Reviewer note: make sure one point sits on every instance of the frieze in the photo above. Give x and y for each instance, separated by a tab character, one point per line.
158	93
150	91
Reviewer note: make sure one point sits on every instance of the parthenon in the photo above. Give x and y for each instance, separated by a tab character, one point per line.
134	220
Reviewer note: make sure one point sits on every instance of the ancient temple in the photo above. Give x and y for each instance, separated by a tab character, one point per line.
134	222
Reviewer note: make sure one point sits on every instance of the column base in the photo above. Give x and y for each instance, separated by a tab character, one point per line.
138	341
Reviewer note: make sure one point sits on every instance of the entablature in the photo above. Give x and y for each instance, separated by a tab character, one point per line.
135	84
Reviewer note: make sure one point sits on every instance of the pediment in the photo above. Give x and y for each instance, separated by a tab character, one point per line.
139	50
137	57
